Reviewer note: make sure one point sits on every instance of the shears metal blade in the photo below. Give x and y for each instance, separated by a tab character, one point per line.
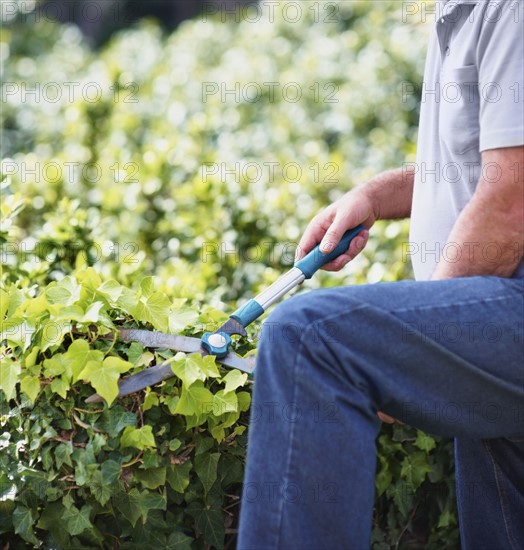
218	343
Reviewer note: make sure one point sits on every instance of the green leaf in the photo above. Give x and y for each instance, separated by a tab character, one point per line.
52	520
23	524
179	319
208	366
244	400
9	373
139	438
51	333
195	400
110	290
17	332
152	307
66	292
414	468
425	442
224	403
234	379
77	520
4	303
63	454
30	385
135	504
188	369
171	402
383	480
210	522
104	376
110	471
150	400
206	469
178	541
78	355
30	360
60	386
177	475
152	478
115	419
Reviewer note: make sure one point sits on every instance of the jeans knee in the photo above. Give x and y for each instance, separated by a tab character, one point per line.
286	324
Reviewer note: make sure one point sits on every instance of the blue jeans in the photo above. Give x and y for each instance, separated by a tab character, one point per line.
444	356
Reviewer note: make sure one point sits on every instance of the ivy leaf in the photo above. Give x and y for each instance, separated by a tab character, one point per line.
60	386
195	400
52	333
110	471
57	366
224	403
152	307
110	290
206	469
114	420
179	541
425	442
4	303
208	366
139	438
92	314
66	292
52	520
210	522
179	319
30	385
234	379
104	376
152	478
177	475
23	524
78	355
383	479
244	400
9	374
188	369
77	520
134	504
414	468
63	454
18	332
150	400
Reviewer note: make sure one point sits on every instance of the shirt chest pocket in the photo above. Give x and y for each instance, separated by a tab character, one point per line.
459	127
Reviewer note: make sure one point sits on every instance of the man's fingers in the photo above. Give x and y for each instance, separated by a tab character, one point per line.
386	418
356	246
312	235
332	237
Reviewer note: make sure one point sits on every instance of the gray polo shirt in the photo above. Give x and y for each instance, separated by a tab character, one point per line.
472	101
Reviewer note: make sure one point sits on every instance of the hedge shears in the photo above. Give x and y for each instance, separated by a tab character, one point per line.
217	343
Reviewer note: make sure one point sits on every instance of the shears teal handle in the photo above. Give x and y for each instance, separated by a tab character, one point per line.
316	259
303	269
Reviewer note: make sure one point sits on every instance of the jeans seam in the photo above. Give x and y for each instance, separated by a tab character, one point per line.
461	303
280	512
502	496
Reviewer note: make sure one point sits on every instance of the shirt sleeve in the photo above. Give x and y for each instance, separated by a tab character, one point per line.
500	54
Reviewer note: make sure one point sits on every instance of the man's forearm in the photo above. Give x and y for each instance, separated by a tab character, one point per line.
488	236
391	193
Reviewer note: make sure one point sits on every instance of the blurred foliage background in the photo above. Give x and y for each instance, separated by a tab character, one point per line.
199	156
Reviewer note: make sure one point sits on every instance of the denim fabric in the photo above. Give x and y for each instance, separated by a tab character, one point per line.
444	356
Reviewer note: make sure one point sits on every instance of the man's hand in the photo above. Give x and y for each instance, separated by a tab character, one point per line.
386	419
386	196
328	226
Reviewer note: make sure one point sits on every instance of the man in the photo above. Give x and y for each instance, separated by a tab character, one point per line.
381	348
